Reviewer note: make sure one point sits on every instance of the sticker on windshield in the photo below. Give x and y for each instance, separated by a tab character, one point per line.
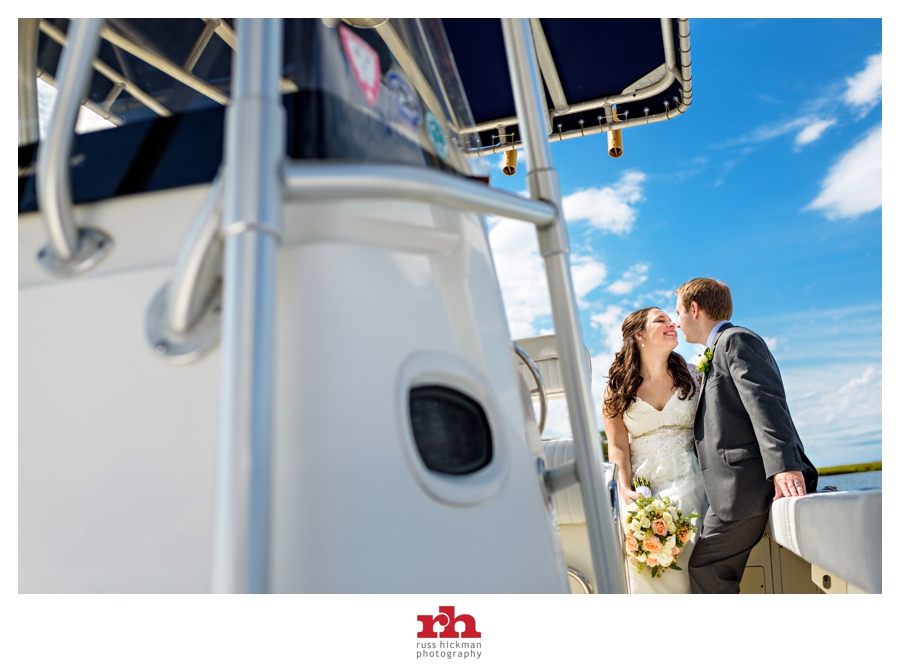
436	135
405	97
364	63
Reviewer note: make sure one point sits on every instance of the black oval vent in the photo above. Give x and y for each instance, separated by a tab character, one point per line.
451	430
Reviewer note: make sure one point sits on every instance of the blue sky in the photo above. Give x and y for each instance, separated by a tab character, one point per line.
771	182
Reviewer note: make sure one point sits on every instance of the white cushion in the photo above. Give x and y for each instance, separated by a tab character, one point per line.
838	531
569	506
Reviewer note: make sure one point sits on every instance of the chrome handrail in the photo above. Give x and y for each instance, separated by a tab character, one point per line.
579	577
177	323
311	180
612	472
542	392
198	264
71	249
182	320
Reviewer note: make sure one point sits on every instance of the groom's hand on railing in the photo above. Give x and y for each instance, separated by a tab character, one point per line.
789	484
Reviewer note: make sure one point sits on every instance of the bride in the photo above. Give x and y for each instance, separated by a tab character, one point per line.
648	414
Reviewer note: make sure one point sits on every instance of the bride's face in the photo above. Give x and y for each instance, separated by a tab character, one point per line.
660	332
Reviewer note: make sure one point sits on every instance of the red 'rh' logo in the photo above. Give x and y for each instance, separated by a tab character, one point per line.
448	620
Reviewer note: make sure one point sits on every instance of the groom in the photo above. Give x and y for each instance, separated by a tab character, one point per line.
749	450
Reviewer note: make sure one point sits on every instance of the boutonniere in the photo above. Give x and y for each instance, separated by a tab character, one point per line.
705	363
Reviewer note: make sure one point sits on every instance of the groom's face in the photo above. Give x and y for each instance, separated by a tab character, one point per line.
689	326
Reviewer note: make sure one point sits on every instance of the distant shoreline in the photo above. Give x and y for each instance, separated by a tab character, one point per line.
846	469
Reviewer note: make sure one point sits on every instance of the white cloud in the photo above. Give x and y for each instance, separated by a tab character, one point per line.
587	274
521	274
808	128
523	279
813	131
853	184
631	279
609	321
610	208
864	88
837	410
771	342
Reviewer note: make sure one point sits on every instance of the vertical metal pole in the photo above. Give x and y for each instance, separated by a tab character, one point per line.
254	151
29	129
553	241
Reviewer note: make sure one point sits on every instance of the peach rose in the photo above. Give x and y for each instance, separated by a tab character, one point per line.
675	551
652	544
684	535
631	544
652	561
659	527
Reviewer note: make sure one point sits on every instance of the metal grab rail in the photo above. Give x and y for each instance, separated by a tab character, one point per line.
182	321
327	181
70	250
579	577
553	242
542	392
178	325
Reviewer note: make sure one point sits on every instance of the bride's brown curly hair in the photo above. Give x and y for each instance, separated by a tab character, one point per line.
625	372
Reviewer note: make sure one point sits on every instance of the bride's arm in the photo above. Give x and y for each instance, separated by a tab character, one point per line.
619	452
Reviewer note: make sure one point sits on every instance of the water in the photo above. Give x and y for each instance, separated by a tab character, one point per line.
852	480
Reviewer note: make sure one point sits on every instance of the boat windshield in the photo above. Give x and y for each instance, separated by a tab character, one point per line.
354	89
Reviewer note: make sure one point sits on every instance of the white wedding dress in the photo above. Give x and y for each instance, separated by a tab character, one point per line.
662	451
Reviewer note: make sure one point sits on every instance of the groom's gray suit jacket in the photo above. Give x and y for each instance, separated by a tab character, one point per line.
743	431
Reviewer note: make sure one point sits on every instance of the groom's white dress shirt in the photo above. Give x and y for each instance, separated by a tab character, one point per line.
712	334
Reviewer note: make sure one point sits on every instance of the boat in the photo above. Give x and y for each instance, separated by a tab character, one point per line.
262	344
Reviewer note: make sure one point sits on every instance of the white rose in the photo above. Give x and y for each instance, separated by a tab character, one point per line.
671	527
632	507
670	541
645	522
666	560
641	558
674	512
635	525
640	535
667	517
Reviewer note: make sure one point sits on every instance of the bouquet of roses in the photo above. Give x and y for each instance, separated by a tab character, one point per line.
656	532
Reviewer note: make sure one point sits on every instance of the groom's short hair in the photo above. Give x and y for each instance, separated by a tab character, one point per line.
711	296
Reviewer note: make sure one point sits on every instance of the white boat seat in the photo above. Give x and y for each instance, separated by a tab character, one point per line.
838	531
569	506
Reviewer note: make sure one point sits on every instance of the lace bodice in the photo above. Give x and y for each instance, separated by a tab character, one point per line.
663	436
